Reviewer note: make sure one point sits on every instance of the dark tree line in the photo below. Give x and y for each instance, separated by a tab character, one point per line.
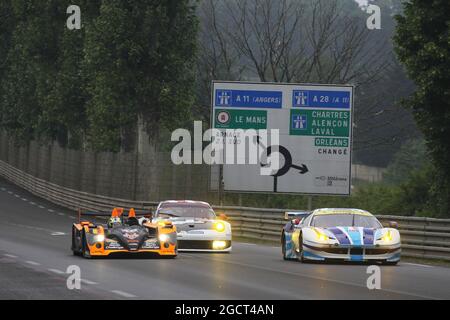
423	46
131	62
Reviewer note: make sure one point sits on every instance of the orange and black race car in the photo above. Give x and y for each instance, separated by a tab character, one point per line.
123	235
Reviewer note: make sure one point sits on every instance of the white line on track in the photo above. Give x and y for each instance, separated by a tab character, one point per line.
32	203
85	281
32	263
56	271
41	207
57	234
418	265
123	294
10	192
17	196
50	210
23	199
316	277
61	214
3	189
10	256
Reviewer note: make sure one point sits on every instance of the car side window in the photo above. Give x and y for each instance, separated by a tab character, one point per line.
306	221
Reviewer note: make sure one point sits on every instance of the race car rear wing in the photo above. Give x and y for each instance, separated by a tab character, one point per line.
107	214
291	215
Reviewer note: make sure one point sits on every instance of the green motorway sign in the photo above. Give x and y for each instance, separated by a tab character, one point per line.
240	119
320	123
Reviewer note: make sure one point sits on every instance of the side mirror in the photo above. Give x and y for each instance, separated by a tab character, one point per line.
393	224
223	217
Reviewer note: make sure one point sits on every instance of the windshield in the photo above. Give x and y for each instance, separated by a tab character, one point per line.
345	220
198	212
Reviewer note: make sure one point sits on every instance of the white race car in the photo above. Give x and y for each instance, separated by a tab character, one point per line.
339	234
198	227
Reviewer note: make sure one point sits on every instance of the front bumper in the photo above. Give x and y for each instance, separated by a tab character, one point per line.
318	252
202	240
202	245
110	253
99	250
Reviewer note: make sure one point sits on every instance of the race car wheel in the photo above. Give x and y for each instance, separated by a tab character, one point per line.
84	247
300	243
75	247
283	247
390	263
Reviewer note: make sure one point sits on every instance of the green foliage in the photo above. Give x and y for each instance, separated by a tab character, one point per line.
132	59
423	46
411	198
138	61
411	156
67	101
415	193
6	29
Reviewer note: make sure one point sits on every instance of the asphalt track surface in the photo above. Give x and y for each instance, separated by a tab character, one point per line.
35	253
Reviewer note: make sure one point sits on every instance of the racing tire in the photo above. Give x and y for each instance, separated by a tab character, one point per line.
301	257
283	247
390	263
170	257
75	250
84	248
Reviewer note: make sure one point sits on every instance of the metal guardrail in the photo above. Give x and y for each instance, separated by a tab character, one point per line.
426	238
65	197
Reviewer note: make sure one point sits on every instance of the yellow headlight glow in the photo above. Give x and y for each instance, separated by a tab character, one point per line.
321	236
219	226
164	237
219	245
99	238
387	237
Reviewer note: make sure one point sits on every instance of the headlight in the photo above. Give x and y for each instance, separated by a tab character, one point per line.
99	238
387	237
164	237
322	237
219	245
219	226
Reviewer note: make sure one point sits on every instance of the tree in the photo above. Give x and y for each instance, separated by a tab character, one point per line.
66	110
20	107
30	74
130	61
309	41
422	44
6	30
138	61
411	157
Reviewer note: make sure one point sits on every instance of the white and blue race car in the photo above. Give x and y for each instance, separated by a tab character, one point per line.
339	234
198	227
